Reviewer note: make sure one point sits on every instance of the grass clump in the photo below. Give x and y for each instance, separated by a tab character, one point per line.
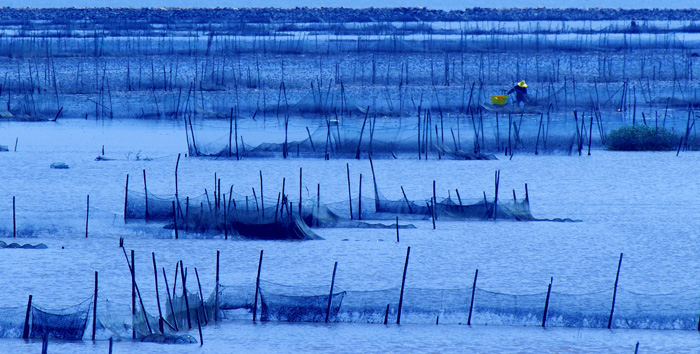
640	138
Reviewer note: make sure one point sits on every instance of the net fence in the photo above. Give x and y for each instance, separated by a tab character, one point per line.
34	321
354	138
285	303
281	219
424	305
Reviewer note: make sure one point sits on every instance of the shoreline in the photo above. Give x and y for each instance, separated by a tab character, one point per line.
340	14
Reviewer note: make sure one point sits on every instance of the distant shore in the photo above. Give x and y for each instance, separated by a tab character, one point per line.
303	14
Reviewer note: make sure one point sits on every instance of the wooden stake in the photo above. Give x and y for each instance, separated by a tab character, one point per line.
257	287
410	210
471	304
397	229
145	190
330	294
434	205
177	164
546	303
177	268
25	333
183	275
403	283
132	267
359	200
126	194
170	300
174	220
262	200
155	276
216	290
94	309
374	182
230	132
87	215
347	166
14	222
617	277
199	327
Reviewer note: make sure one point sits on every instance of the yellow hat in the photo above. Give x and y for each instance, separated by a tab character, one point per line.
522	84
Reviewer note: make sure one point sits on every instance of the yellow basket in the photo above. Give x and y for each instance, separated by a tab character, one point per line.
499	100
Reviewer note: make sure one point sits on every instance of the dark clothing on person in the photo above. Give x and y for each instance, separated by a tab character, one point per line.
520	94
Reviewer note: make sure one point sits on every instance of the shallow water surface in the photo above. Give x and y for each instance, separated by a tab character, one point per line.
641	204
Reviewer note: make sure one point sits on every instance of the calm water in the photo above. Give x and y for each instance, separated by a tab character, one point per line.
642	204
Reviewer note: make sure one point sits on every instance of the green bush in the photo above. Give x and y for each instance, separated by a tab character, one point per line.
641	138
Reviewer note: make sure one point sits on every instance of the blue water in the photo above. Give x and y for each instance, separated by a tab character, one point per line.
643	204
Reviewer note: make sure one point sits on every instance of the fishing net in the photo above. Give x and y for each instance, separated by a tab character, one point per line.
12	321
361	137
298	304
591	310
67	323
186	312
679	310
252	218
423	305
113	320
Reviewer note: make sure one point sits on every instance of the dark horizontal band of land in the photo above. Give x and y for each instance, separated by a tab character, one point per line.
303	14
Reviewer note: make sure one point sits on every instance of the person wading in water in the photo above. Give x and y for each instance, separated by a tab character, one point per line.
520	93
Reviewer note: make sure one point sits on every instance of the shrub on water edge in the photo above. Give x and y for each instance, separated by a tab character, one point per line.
641	138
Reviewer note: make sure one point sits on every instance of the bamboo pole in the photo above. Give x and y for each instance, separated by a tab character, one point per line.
183	276
410	210
546	302
94	309
216	290
170	300
201	298
612	307
257	287
330	294
145	190
471	304
132	267
397	229
87	215
359	200
14	222
262	200
174	220
403	283
199	328
25	332
347	166
155	276
126	194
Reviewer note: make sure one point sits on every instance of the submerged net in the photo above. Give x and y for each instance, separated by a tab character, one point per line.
359	137
251	218
68	323
295	304
423	305
280	219
12	321
187	313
